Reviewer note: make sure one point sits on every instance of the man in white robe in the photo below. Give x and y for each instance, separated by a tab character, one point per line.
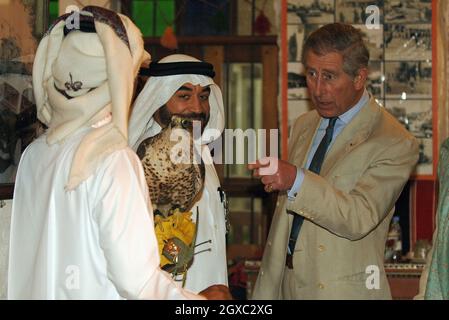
82	223
179	84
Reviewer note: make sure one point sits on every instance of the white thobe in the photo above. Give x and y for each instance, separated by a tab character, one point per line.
95	242
209	263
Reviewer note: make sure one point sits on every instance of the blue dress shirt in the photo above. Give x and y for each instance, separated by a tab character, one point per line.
342	121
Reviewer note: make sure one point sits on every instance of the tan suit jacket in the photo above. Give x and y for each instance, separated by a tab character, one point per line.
347	210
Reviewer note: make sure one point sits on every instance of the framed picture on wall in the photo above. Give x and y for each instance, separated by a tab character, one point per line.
354	12
408	79
22	24
375	81
408	11
296	35
416	117
374	41
408	41
311	11
297	86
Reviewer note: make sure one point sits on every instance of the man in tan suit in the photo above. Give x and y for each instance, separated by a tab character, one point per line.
348	162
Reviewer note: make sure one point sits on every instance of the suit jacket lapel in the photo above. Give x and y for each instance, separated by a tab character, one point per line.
303	142
357	131
298	151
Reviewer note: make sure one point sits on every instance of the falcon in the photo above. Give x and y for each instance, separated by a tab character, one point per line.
174	174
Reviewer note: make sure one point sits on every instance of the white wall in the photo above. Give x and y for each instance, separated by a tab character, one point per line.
5	220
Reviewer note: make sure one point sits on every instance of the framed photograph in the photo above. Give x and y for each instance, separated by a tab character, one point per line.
354	12
297	85
408	79
408	11
295	41
374	41
22	24
376	79
408	41
297	33
416	117
310	11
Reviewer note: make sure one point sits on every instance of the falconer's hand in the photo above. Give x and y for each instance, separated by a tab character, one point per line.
217	292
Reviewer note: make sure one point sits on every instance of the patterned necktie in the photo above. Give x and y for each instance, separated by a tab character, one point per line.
315	166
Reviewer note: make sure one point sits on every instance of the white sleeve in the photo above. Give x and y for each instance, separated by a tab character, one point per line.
125	219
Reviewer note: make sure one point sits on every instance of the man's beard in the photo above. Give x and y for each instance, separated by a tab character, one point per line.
165	117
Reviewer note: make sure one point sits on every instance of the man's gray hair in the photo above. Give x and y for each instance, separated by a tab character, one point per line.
341	38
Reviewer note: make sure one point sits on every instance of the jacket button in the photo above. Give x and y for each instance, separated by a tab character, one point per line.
321	286
321	248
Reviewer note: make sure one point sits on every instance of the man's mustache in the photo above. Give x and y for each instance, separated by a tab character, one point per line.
194	116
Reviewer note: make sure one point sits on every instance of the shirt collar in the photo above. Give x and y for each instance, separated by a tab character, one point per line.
348	115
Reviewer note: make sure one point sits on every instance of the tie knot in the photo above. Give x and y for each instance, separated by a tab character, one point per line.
332	122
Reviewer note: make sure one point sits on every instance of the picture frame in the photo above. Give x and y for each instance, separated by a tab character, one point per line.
296	35
408	11
349	11
297	86
408	79
374	40
408	42
22	25
311	11
376	79
416	116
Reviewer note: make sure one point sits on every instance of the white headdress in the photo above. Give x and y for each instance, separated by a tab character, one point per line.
80	77
178	69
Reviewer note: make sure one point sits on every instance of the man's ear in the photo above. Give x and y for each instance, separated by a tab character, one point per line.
360	78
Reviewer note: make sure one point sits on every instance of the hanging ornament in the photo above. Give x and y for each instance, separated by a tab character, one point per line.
262	25
168	39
